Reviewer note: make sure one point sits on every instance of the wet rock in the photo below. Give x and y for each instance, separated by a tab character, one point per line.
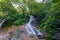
18	33
57	36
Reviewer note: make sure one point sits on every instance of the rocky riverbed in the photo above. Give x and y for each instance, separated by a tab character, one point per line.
17	33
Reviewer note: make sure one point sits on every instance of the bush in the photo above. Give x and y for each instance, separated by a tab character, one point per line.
19	22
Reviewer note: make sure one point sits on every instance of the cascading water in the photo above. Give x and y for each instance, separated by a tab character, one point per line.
31	30
1	22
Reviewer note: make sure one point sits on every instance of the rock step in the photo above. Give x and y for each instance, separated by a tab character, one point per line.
18	33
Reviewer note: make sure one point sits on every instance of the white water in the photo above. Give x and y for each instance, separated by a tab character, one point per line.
30	28
1	23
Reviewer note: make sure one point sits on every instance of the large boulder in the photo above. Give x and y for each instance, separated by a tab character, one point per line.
4	36
15	35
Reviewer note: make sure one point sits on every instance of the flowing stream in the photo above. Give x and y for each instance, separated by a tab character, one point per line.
31	30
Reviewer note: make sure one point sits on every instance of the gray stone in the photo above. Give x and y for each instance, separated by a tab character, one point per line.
4	36
15	35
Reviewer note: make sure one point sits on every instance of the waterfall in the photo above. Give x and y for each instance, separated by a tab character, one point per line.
31	28
1	22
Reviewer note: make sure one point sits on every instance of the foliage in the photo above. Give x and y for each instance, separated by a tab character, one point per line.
7	8
19	22
47	14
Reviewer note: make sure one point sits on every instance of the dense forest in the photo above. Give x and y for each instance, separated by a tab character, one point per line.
47	13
